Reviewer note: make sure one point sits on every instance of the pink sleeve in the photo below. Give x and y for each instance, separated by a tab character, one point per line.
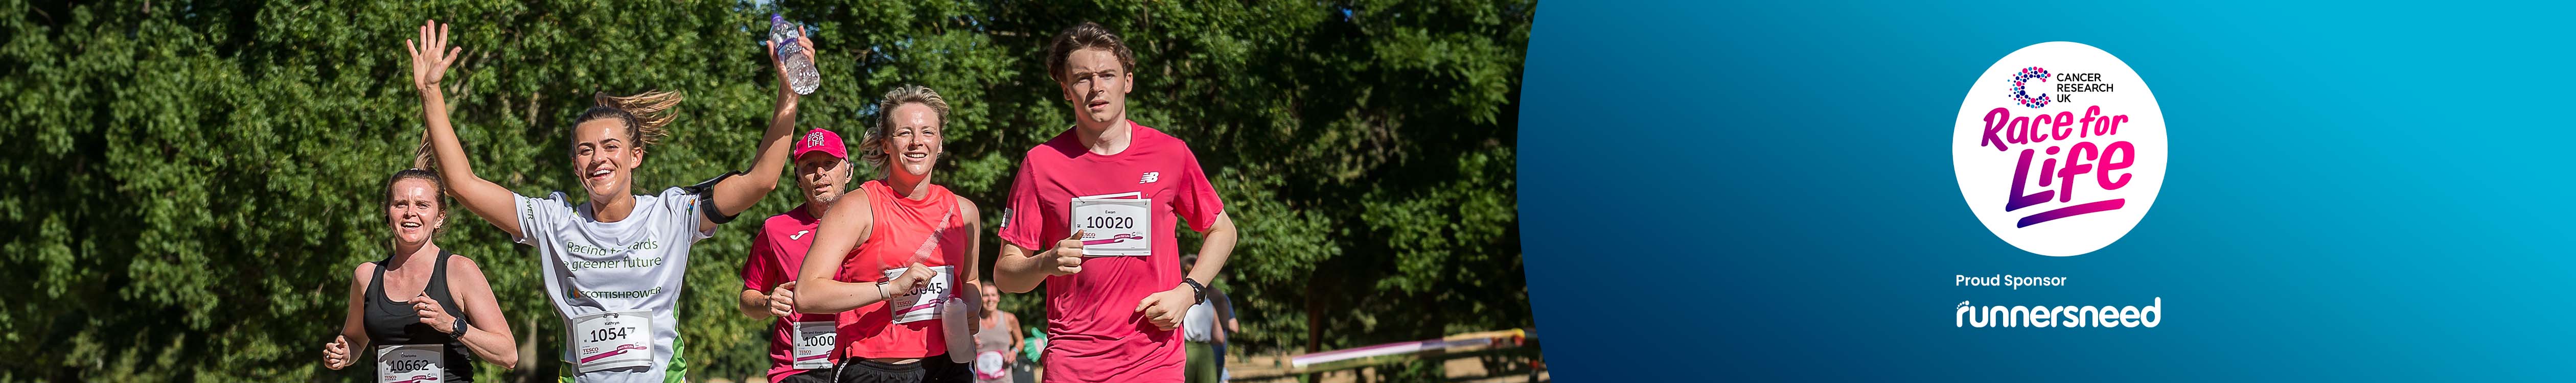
1198	202
1022	223
757	268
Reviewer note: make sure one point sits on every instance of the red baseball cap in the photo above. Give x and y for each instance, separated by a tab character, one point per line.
821	140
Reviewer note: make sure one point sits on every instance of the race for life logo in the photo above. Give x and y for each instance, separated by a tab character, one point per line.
2060	149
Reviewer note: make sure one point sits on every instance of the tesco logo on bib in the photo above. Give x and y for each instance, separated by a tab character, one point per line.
2060	149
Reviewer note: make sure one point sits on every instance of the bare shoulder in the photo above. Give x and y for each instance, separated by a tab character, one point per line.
462	263
366	271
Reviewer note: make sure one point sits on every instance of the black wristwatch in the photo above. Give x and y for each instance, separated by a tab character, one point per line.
459	334
1198	292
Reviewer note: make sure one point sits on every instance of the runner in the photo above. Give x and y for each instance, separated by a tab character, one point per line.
422	336
613	265
1207	327
891	257
1109	315
996	338
800	345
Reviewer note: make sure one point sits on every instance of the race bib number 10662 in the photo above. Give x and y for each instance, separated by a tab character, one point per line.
410	363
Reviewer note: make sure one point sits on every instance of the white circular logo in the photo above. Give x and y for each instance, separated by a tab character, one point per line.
2060	149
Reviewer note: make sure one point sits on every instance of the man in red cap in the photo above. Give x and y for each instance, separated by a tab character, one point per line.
800	346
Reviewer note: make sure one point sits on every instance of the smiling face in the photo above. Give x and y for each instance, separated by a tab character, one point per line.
413	211
822	177
992	297
1097	85
604	157
912	144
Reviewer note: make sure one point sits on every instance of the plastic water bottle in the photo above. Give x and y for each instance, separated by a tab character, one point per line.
956	319
800	70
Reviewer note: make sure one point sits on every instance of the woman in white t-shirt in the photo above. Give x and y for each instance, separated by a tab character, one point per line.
613	263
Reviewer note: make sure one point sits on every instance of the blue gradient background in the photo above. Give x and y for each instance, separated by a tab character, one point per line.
1716	191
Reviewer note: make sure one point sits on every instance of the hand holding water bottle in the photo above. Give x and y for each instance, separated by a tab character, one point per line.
792	52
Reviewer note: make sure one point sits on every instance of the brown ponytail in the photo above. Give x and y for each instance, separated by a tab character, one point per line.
645	114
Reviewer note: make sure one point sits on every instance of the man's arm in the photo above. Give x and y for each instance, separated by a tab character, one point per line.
1017	270
752	302
1213	251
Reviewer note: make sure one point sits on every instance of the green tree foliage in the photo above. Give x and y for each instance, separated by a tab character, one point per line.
187	184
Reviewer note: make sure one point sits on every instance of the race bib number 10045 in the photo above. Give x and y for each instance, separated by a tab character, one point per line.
922	303
410	363
613	339
1113	226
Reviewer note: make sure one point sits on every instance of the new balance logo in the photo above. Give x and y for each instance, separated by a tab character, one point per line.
1151	177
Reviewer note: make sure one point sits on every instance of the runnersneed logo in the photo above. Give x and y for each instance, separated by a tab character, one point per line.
2066	171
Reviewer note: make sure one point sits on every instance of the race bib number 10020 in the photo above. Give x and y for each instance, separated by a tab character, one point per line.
613	339
1114	226
410	363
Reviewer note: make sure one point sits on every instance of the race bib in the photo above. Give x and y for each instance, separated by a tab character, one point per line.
1114	224
410	363
988	365
814	341
923	302
612	339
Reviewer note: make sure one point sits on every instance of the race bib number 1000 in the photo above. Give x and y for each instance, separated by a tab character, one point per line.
1114	226
922	303
813	344
612	339
410	363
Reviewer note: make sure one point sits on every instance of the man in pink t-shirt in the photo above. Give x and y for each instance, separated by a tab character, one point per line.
769	275
1111	315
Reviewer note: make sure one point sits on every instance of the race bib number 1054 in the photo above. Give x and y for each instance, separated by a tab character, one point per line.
613	339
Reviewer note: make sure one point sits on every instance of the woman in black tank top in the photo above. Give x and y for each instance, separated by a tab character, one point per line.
406	308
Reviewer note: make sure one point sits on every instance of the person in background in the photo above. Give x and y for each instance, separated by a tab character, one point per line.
823	171
1206	327
450	307
997	339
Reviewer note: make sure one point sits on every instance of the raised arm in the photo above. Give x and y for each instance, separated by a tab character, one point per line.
735	194
430	57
